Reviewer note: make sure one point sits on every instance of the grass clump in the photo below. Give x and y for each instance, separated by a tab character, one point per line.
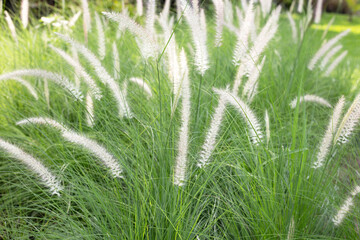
211	143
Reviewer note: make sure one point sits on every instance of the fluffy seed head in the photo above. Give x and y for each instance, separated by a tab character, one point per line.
34	165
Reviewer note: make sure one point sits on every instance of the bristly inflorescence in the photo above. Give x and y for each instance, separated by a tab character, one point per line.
50	180
92	146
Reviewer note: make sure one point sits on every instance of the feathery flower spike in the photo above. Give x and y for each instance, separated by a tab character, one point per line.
116	61
198	33
219	11
11	26
328	137
345	208
92	146
57	78
329	55
324	48
181	159
86	18
30	88
245	111
318	11
242	43
293	27
139	7
336	62
35	165
24	13
145	38
348	123
103	75
310	98
150	16
94	89
211	135
267	127
101	37
89	110
141	83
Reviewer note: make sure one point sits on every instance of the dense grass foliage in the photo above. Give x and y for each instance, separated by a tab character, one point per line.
247	191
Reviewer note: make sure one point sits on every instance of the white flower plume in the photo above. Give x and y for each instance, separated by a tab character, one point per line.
24	13
92	146
141	83
300	6
242	43
310	98
219	13
116	61
250	88
328	137
265	7
293	27
34	165
89	110
101	37
329	55
56	78
324	48
246	112
150	16
181	159
11	26
336	62
345	208
267	127
198	33
266	34
103	75
86	18
348	123
145	38
30	88
211	135
318	11
139	7
95	91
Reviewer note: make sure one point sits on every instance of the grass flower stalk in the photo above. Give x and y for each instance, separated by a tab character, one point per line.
86	18
141	83
145	37
56	78
183	144
28	86
326	142
11	26
198	33
90	145
89	110
345	208
48	178
103	75
348	123
310	98
24	13
101	37
116	61
267	127
325	48
246	112
293	27
335	63
94	89
329	55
